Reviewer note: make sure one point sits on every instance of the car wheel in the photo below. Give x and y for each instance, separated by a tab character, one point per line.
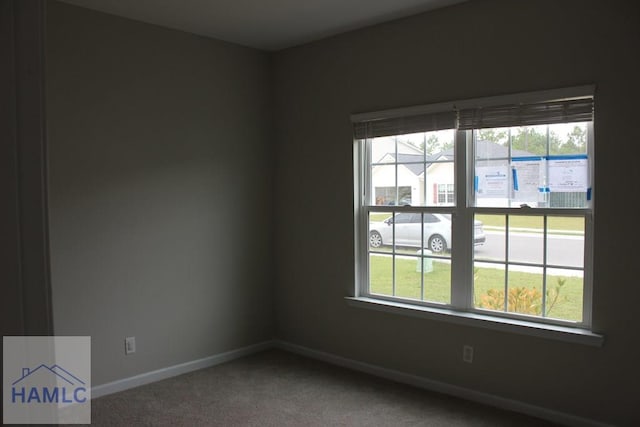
437	243
375	239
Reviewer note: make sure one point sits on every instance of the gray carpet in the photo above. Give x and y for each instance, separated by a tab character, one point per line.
277	388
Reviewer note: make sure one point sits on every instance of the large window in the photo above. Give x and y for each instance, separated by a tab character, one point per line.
480	206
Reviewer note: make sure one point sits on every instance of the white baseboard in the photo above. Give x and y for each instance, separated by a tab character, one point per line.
172	371
441	387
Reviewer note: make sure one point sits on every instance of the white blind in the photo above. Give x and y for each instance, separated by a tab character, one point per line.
559	111
403	125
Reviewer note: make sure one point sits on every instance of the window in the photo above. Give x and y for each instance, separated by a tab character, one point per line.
480	206
445	194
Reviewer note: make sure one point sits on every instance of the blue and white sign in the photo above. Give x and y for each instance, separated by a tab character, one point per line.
46	380
492	181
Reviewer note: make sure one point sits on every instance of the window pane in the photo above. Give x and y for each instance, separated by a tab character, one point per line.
439	187
565	241
383	184
492	143
526	239
408	187
407	232
437	279
381	274
494	247
383	150
529	140
525	290
437	234
564	294
492	183
408	282
380	230
527	178
568	138
488	286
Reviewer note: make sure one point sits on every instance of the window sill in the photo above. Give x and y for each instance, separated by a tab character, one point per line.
554	332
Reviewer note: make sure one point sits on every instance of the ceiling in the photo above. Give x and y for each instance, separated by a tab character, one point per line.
264	24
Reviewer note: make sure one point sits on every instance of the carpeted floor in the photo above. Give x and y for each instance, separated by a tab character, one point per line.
277	388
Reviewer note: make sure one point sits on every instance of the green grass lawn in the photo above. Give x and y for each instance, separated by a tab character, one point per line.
516	221
379	216
437	284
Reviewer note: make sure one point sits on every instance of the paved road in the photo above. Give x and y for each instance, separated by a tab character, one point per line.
528	247
563	250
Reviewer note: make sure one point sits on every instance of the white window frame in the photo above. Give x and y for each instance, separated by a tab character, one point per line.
461	310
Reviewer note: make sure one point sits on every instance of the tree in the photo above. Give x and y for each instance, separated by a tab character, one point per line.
431	144
577	140
493	135
530	140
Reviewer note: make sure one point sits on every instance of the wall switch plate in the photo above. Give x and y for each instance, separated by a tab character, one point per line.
129	345
467	354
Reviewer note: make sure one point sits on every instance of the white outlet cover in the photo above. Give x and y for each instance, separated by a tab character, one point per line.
467	353
129	345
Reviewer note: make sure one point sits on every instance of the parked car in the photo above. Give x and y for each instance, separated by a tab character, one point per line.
405	201
437	231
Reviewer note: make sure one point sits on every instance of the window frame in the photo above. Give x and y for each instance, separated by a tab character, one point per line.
463	211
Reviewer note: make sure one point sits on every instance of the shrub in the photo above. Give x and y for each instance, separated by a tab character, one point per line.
522	299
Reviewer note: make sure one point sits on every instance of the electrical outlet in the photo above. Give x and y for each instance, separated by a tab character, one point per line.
129	345
467	354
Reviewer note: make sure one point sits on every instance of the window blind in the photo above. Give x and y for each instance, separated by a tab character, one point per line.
559	111
403	125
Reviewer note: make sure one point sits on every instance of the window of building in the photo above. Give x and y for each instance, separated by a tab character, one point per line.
445	194
480	206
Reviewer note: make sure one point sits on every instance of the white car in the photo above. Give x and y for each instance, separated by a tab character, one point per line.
437	231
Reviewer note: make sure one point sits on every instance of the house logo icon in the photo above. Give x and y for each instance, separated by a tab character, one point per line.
46	380
48	384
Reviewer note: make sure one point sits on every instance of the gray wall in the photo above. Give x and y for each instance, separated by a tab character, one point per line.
478	48
160	191
161	173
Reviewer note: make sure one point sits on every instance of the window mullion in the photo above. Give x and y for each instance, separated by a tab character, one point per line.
462	226
362	160
422	254
587	297
506	262
544	264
